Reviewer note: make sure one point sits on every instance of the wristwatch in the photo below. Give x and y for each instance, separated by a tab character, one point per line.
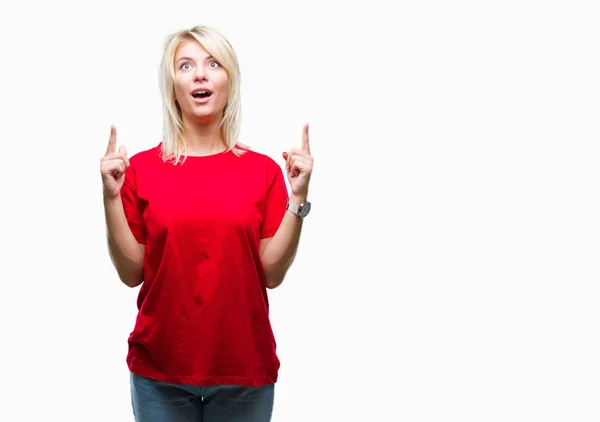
301	210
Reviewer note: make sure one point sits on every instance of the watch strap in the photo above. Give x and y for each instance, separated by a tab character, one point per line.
295	209
301	210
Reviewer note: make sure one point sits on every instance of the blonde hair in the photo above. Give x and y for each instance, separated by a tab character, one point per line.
173	144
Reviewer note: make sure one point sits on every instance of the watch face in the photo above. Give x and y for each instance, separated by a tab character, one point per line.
305	209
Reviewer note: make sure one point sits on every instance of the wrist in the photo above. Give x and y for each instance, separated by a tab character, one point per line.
298	205
297	199
112	199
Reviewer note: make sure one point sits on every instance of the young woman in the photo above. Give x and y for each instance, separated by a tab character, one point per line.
205	225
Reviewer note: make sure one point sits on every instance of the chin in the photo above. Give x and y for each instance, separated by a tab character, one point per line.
206	116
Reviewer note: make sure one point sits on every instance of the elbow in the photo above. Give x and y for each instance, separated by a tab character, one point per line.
275	271
273	283
273	277
131	274
133	279
132	283
130	268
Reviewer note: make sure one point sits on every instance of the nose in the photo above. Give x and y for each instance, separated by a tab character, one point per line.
200	74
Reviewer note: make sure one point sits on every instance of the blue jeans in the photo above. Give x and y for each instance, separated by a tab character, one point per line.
157	401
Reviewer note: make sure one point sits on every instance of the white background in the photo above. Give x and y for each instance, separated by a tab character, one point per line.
449	268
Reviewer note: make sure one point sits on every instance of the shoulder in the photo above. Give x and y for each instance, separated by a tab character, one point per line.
146	156
261	168
258	158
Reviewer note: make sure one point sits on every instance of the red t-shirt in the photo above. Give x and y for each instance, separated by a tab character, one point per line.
203	308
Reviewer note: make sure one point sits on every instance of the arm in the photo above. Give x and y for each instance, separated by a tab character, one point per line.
126	253
278	252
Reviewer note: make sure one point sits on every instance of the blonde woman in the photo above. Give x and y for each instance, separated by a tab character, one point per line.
205	225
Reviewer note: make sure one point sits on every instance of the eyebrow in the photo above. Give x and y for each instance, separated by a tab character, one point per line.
189	58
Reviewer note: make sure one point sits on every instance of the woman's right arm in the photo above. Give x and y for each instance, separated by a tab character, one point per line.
126	253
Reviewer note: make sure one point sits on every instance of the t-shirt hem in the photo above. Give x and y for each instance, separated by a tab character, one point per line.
203	380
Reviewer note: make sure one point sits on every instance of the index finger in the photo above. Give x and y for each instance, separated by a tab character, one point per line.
112	141
305	144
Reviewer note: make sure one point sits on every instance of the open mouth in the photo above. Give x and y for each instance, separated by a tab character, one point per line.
202	94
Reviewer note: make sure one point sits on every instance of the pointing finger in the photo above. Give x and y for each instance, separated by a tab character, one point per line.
305	144
112	141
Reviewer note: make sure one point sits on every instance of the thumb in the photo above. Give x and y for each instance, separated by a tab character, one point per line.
123	150
284	154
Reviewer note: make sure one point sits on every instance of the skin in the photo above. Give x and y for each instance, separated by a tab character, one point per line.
194	68
278	252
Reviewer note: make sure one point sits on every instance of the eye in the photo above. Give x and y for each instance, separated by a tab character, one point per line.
214	62
184	64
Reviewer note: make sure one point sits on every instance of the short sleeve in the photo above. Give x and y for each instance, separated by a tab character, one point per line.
276	201
132	205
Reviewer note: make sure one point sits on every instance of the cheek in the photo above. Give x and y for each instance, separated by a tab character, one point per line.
224	90
181	97
224	84
179	88
225	95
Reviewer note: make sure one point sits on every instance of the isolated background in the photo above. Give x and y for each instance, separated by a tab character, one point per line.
449	267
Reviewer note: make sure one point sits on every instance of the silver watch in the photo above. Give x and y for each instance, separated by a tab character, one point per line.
301	210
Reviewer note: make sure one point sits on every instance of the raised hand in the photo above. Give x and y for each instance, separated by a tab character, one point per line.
113	166
299	165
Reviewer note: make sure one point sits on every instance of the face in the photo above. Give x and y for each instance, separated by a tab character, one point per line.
196	70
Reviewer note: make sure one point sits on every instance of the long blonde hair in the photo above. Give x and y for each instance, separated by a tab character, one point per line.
173	144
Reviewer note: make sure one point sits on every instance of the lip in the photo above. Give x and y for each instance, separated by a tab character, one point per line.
201	100
202	89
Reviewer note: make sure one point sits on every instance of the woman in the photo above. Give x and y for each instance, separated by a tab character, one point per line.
205	225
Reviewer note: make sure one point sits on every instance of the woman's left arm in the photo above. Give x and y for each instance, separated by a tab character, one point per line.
278	252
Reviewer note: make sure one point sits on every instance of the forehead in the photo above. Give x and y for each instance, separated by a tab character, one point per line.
190	48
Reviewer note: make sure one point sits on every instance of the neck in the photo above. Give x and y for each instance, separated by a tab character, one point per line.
203	138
